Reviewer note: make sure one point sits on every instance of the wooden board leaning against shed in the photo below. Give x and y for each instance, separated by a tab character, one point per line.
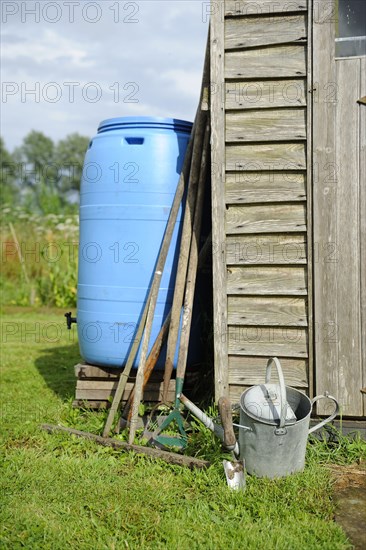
261	191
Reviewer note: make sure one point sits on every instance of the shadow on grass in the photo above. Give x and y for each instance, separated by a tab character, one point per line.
56	365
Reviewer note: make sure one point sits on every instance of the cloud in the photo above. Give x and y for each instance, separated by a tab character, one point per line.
184	82
50	46
156	60
7	38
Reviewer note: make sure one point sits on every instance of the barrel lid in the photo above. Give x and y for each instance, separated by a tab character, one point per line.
118	123
263	403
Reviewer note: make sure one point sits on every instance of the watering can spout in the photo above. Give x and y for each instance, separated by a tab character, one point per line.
234	470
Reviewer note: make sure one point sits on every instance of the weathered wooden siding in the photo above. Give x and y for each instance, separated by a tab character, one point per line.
266	62
362	200
265	93
256	7
339	226
289	200
260	121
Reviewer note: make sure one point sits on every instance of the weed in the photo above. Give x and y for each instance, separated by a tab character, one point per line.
39	258
334	447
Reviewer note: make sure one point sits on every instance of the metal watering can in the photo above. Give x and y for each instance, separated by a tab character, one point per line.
274	426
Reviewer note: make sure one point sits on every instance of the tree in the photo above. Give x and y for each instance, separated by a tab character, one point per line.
36	161
7	174
38	173
47	176
70	153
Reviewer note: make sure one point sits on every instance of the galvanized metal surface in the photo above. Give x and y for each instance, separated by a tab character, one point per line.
278	450
267	402
271	447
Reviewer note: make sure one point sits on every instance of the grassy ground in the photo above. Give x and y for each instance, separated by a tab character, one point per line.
59	491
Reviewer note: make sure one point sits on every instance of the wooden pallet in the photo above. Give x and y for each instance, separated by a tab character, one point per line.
95	386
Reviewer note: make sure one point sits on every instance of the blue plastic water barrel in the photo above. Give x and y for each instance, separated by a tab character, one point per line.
130	176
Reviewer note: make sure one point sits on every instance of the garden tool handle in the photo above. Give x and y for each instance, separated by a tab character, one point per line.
331	417
227	423
283	397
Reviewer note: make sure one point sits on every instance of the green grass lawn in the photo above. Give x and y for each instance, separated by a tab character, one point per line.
61	492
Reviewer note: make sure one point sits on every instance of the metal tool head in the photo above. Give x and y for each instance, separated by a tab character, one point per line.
235	474
170	440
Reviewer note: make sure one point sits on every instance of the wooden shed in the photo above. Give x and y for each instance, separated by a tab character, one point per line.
289	195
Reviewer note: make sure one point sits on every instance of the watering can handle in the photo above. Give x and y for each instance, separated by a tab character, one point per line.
331	417
283	398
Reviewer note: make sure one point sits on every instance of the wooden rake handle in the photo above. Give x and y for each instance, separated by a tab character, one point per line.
186	238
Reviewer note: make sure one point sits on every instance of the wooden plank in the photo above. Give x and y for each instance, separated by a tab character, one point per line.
100	385
266	156
91	404
267	310
265	94
97	395
263	281
249	371
103	389
266	125
218	207
280	249
259	7
269	62
154	395
172	458
309	202
268	341
269	219
362	179
262	187
345	427
349	371
92	384
324	201
249	32
83	371
111	385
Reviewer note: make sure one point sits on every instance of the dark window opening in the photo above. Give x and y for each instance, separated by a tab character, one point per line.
351	28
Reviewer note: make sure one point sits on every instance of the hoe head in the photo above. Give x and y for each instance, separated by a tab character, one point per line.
157	438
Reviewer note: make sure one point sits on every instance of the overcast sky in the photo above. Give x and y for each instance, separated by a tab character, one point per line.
87	61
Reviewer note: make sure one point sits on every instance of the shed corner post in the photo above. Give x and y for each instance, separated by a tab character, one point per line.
218	199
